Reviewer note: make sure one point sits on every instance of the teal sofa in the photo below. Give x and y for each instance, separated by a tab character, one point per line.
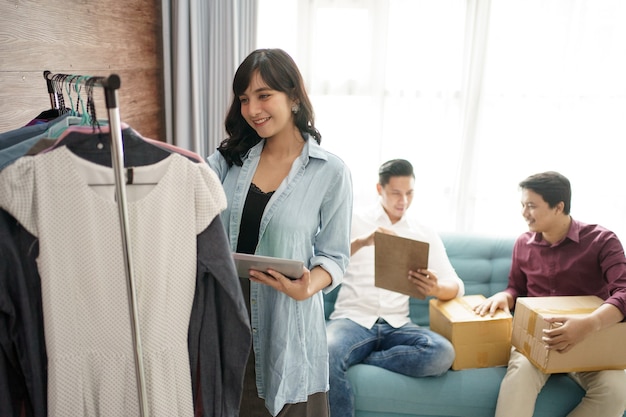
483	264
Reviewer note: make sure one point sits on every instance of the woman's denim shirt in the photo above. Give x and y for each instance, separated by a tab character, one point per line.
308	218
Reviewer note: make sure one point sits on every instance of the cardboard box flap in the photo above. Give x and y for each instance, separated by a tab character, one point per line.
583	304
462	309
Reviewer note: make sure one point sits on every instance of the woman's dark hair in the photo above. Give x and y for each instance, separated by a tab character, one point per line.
394	168
280	73
552	187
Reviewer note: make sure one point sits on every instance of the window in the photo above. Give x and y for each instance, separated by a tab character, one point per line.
476	94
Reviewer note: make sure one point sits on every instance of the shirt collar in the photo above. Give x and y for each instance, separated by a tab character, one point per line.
573	234
311	149
382	217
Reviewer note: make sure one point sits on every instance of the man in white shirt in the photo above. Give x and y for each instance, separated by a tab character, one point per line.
371	325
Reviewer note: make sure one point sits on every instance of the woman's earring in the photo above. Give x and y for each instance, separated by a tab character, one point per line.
295	108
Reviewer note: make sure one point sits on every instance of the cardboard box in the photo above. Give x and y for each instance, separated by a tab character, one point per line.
479	342
602	350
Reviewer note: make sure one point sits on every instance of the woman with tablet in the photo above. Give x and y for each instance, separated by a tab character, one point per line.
287	198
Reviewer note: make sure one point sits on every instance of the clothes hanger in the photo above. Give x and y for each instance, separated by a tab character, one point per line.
89	138
138	149
57	102
55	130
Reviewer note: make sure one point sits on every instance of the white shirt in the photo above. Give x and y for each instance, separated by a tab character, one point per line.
359	299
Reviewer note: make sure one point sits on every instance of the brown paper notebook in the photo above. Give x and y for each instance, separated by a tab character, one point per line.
394	257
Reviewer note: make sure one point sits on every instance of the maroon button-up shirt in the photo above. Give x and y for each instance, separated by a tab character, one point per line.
589	260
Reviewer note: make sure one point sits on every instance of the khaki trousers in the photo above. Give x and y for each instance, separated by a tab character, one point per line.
605	390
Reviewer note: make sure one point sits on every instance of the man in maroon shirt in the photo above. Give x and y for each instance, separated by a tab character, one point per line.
561	256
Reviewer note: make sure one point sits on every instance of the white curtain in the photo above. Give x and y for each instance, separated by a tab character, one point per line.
554	98
477	94
475	42
203	41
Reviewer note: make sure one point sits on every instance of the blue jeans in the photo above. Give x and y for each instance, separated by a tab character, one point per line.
409	350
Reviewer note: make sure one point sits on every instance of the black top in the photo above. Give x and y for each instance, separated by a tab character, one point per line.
251	219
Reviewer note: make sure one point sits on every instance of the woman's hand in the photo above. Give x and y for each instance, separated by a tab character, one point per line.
299	289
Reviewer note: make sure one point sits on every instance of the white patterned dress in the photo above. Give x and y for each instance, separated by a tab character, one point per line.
91	368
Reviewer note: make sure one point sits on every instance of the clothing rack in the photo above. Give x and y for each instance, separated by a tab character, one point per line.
111	84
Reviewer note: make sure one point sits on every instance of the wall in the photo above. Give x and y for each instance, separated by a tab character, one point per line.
82	37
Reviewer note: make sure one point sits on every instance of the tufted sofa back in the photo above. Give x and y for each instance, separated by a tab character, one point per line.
481	261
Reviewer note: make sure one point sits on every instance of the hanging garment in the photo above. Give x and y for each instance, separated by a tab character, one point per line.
16	143
96	146
219	332
47	116
87	331
23	376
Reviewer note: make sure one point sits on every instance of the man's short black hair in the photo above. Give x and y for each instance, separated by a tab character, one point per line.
552	187
394	168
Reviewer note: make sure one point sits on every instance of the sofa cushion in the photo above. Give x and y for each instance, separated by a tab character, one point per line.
466	393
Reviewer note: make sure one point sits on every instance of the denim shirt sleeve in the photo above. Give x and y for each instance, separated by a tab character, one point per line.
335	223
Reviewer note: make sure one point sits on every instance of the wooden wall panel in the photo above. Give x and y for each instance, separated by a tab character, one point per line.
82	37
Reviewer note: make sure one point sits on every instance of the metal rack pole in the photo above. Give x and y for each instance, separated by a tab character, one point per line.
111	84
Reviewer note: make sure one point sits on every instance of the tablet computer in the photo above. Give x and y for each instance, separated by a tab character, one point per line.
288	267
